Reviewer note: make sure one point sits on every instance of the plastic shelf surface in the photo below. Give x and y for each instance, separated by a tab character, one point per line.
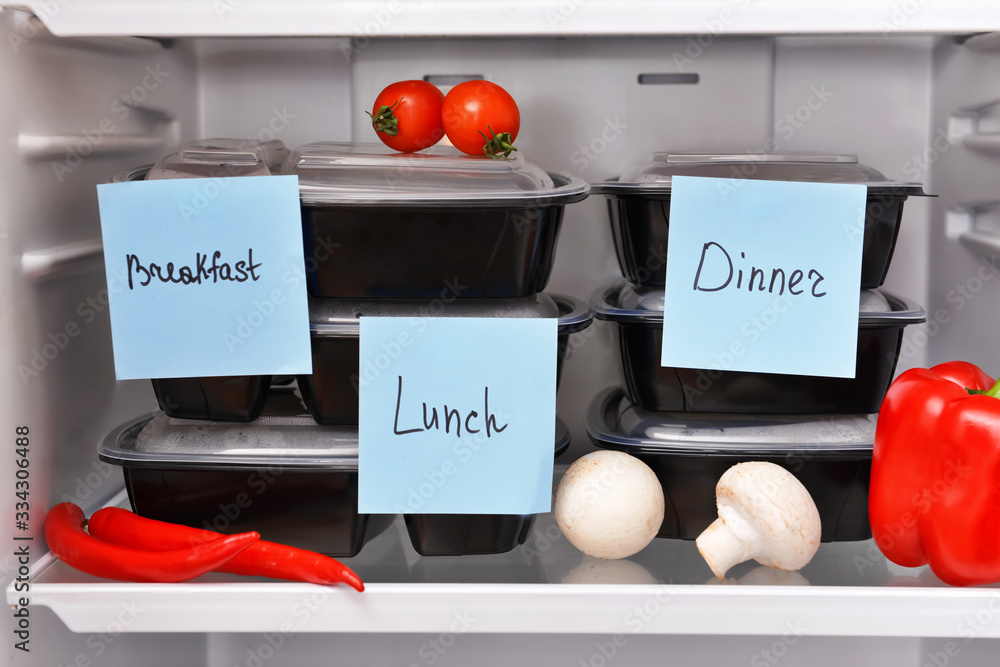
543	586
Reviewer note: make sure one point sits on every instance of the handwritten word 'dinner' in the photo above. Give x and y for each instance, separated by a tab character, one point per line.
451	415
758	276
202	271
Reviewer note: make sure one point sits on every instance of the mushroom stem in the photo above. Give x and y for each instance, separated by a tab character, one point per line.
721	549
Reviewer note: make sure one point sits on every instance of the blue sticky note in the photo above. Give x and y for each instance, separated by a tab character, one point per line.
457	415
763	276
206	277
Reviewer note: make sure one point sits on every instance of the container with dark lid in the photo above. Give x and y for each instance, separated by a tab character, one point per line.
331	392
638	316
639	204
436	224
830	454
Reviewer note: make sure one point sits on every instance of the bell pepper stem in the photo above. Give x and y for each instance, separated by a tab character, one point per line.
994	390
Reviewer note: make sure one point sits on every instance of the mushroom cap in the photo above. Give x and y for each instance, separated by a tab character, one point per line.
609	504
768	509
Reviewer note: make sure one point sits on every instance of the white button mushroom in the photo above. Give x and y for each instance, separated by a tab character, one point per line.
764	513
609	504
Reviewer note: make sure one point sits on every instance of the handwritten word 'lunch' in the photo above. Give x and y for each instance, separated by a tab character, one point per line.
239	272
451	415
757	275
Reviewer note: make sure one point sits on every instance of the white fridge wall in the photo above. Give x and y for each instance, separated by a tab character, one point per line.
964	298
75	112
81	111
294	90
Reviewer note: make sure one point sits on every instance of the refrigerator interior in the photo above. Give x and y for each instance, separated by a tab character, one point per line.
78	109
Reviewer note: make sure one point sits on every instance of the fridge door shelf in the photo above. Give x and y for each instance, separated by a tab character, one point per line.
543	586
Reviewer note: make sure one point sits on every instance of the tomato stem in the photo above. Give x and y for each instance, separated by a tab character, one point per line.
499	147
385	120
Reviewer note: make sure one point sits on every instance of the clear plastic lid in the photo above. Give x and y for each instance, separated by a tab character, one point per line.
371	174
340	318
291	441
625	302
655	175
614	423
286	442
211	158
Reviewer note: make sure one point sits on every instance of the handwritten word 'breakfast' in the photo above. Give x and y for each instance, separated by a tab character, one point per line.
202	271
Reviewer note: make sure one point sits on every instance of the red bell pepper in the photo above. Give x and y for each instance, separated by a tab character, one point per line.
935	483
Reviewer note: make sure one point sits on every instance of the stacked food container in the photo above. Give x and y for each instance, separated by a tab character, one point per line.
434	234
690	425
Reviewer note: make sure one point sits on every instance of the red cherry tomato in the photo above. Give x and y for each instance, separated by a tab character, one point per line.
481	118
406	115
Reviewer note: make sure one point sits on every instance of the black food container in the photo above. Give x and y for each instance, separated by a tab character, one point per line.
331	392
638	315
468	534
830	454
290	479
639	204
235	398
436	224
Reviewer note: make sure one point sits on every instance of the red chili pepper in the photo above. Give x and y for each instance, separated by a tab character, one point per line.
65	534
263	559
935	484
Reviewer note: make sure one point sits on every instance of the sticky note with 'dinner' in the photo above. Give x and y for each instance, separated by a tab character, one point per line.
763	276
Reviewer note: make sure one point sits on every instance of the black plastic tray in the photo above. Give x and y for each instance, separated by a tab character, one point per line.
666	388
836	475
639	204
466	534
640	223
237	398
426	253
301	491
331	392
310	504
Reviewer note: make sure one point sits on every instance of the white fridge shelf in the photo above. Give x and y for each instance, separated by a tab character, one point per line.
544	586
393	18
